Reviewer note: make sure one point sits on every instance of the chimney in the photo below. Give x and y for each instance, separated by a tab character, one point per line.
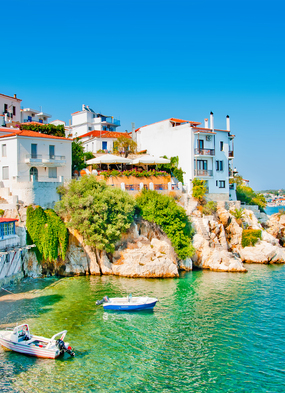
83	107
15	95
206	123
133	132
212	121
228	123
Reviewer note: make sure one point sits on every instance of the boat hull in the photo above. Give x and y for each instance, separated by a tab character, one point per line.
129	306
31	351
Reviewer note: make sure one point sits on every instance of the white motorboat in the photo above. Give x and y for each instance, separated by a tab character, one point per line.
128	303
21	340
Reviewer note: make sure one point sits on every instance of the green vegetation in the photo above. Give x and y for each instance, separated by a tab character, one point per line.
48	232
2	212
250	237
172	168
247	195
132	172
210	208
125	144
164	211
280	213
199	189
78	162
100	213
88	155
238	213
49	129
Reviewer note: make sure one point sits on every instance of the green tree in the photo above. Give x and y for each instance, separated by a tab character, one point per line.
199	189
49	129
125	144
172	168
247	195
164	211
78	162
88	155
99	212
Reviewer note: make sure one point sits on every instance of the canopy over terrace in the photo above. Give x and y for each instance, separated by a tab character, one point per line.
109	159
147	159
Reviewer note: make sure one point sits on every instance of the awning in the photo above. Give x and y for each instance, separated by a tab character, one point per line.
149	160
109	159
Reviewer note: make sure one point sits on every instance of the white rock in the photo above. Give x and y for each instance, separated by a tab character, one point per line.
262	252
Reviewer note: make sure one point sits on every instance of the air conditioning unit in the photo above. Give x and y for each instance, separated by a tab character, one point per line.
208	137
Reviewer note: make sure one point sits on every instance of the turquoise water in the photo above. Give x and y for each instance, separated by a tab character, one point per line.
273	209
210	332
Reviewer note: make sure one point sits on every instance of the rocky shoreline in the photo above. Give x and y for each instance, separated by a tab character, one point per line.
145	251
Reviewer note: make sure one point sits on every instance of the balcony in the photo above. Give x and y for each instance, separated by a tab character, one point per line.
204	152
203	172
111	120
232	186
45	160
231	154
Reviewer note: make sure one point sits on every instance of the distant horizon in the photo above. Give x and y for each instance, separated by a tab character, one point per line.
147	61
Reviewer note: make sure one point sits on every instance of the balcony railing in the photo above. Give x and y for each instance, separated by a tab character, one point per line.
203	172
231	154
204	152
112	121
34	156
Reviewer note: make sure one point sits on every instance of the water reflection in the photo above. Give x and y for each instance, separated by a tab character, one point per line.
208	332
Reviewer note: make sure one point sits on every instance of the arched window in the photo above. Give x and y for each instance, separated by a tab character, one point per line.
34	174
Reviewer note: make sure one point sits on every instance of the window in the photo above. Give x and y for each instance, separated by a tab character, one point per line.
51	152
89	128
30	118
14	111
222	146
104	145
34	174
219	166
222	184
5	173
93	147
8	228
202	164
5	108
4	150
201	144
52	173
34	150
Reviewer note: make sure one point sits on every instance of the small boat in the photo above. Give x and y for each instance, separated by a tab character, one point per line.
21	340
128	303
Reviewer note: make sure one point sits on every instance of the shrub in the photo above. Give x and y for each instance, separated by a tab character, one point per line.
172	168
247	195
238	213
210	208
250	237
99	212
280	213
2	212
49	129
48	232
164	211
199	189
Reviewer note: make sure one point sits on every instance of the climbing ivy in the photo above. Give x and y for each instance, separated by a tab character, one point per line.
48	232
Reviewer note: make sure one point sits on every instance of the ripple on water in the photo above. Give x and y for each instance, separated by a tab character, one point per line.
209	332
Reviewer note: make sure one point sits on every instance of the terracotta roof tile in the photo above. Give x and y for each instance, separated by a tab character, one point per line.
104	134
3	219
32	134
173	119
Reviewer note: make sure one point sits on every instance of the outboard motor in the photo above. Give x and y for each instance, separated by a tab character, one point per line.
61	346
104	300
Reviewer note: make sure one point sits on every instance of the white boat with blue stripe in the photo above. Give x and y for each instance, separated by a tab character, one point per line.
19	339
128	303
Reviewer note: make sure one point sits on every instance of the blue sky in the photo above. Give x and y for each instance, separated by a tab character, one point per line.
145	61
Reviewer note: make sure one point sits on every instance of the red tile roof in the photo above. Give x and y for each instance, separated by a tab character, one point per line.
18	99
32	134
105	134
194	123
74	113
3	219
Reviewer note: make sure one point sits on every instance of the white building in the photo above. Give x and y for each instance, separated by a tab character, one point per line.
29	115
87	120
9	110
101	140
32	166
204	152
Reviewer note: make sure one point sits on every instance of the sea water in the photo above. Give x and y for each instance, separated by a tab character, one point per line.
273	209
210	332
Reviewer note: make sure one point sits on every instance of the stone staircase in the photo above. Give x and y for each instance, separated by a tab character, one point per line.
205	233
